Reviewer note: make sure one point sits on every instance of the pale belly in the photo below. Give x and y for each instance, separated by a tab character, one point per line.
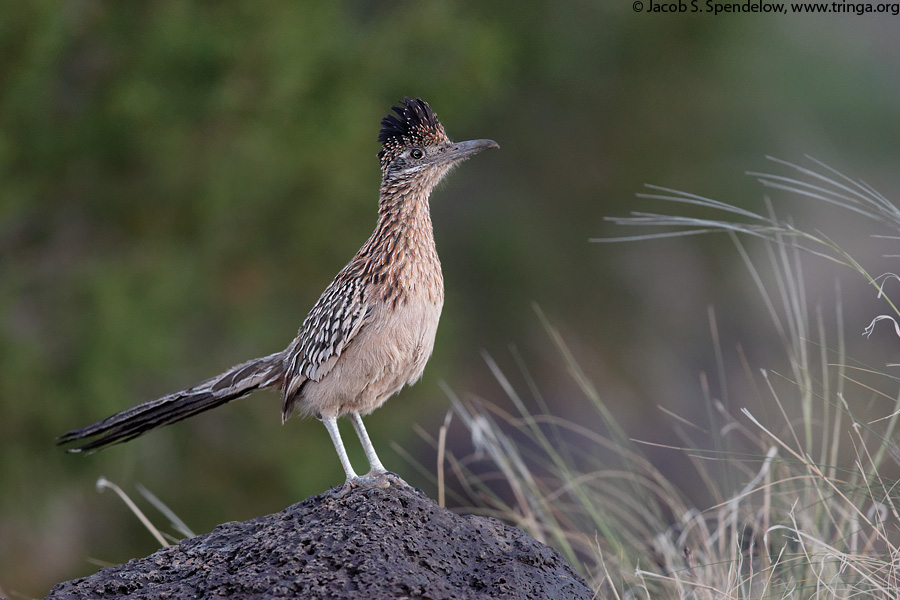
389	352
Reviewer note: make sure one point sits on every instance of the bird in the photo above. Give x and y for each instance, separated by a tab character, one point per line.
371	331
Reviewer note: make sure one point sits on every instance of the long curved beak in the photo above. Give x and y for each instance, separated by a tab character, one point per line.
463	150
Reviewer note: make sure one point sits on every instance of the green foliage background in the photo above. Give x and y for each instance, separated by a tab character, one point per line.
179	181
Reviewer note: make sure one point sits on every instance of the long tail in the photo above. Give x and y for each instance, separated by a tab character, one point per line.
235	383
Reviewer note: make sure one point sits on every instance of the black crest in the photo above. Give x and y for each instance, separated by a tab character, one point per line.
415	123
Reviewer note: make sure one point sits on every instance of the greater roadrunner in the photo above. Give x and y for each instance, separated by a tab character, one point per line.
372	330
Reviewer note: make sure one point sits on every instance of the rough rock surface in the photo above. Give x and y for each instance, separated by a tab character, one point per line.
372	543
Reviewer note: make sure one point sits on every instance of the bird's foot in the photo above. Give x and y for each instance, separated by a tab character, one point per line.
372	479
389	477
364	481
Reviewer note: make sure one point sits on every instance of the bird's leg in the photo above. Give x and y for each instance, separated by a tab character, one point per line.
332	427
374	477
375	466
376	469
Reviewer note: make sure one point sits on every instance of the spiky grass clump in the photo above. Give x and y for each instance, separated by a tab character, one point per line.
803	521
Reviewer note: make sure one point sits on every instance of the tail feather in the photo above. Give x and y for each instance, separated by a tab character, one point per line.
123	426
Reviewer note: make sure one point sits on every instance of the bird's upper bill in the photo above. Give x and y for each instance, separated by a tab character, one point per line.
461	150
415	124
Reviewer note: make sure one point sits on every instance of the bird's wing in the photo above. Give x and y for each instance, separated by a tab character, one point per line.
335	319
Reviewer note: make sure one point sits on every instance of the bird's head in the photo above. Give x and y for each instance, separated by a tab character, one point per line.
416	147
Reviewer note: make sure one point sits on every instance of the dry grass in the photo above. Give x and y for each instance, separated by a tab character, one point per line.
812	515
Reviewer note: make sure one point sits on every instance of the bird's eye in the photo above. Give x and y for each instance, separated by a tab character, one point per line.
417	153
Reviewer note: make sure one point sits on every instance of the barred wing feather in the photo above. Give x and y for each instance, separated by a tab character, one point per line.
330	326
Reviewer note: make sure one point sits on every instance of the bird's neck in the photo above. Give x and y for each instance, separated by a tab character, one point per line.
403	207
404	233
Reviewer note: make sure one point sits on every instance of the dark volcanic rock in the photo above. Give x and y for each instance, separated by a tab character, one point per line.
372	543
